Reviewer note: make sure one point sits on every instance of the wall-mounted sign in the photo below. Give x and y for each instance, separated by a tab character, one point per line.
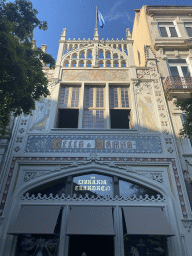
82	143
94	183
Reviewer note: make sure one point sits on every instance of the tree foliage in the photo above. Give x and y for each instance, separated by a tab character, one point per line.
186	106
22	80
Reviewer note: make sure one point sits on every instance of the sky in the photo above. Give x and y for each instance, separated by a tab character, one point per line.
79	18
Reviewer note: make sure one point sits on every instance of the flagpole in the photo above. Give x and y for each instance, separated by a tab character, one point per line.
96	16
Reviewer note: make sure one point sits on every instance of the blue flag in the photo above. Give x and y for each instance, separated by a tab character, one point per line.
100	19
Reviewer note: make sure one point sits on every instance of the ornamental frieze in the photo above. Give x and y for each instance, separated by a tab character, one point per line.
95	75
93	144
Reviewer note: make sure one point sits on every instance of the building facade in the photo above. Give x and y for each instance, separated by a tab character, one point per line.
95	169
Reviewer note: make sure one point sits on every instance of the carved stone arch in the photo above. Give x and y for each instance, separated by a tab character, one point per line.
108	169
78	52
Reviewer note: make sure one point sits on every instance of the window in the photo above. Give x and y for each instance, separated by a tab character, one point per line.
167	29
69	107
183	117
188	27
93	112
179	67
119	107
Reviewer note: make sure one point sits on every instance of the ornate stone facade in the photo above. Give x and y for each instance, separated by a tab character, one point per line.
79	130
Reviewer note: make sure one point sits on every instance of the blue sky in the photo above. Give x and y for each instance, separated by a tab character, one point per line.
78	16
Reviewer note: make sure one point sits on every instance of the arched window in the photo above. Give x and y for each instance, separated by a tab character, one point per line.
125	49
108	55
89	54
130	189
100	63
81	63
93	184
88	63
123	64
57	187
82	55
115	63
66	63
74	56
108	63
74	63
115	56
101	54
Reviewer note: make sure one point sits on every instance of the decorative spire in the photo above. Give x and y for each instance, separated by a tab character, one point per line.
63	35
128	34
44	47
96	35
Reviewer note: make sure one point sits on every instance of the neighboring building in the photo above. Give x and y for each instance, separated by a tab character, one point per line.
101	151
167	30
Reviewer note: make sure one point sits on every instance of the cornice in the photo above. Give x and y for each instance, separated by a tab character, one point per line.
168	10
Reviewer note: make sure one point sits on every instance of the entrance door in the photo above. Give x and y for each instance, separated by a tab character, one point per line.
92	245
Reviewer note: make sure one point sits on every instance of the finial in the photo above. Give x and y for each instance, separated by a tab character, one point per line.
64	33
34	43
128	34
96	35
44	47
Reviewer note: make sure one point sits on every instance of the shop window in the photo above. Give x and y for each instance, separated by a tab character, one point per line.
94	109
167	29
150	245
93	184
40	244
119	108
69	107
188	27
94	245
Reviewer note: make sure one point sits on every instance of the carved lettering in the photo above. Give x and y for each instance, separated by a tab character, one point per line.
108	144
122	144
81	144
115	144
129	144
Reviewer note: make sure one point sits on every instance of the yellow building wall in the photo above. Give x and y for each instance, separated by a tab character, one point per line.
141	36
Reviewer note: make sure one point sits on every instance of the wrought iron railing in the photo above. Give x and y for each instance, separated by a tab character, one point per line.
177	82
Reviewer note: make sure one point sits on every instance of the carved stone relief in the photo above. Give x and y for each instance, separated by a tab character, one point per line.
41	114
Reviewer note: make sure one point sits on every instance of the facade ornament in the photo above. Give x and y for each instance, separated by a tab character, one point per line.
187	223
17	149
170	150
87	197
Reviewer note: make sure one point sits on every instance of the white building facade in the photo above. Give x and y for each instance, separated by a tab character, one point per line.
95	168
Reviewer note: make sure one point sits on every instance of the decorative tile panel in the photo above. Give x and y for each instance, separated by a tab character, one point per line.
93	143
95	75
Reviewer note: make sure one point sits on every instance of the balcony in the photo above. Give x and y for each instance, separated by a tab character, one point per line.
179	87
